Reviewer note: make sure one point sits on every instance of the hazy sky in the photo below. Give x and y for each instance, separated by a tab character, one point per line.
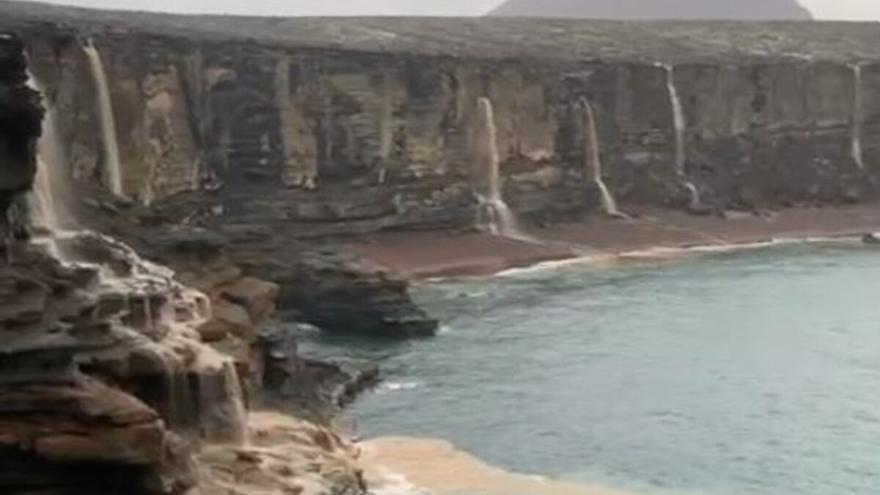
825	9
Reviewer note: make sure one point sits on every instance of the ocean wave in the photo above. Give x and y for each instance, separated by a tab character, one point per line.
398	386
556	264
387	482
413	466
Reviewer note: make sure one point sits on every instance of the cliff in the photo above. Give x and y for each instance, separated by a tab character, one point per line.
656	9
278	135
107	383
19	131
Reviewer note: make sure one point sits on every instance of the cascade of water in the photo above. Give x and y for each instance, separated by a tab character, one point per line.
856	132
51	159
386	128
679	126
235	403
593	165
198	386
148	314
677	120
42	200
112	168
502	221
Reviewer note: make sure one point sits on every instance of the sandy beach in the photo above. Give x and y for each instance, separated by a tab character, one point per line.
397	465
424	255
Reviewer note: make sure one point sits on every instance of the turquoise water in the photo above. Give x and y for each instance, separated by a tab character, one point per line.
748	373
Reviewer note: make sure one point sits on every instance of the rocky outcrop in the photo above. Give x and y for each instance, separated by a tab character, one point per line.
80	436
346	294
106	383
241	305
279	135
102	363
656	9
319	384
62	429
19	130
286	456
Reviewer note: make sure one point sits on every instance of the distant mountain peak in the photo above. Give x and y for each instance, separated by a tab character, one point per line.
656	9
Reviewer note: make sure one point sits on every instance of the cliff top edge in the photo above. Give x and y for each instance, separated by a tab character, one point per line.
499	38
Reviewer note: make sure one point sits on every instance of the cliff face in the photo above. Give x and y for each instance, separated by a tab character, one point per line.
656	9
19	131
281	129
316	135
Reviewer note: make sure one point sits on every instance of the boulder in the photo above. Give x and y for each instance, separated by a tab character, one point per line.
255	295
49	428
343	293
228	319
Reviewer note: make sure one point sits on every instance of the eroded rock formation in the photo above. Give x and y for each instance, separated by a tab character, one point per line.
277	135
106	383
103	366
19	131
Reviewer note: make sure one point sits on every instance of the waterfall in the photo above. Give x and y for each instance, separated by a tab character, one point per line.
46	198
502	221
857	116
386	128
593	165
679	126
112	168
236	410
42	201
677	120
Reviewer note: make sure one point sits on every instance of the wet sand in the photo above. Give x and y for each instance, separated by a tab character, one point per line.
422	255
400	465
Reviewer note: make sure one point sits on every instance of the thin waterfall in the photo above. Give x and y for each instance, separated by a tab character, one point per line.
112	167
216	402
593	165
857	116
236	409
386	128
502	221
46	198
679	126
43	206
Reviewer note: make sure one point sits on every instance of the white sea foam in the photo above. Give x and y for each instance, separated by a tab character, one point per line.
387	482
398	386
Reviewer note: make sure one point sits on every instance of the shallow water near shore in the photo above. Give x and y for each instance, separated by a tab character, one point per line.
740	373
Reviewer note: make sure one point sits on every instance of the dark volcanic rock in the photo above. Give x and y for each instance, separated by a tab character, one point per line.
656	9
321	384
48	428
346	294
20	124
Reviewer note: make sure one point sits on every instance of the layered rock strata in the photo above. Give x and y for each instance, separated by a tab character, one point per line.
274	133
105	384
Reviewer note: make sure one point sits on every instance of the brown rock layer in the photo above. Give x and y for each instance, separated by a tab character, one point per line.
271	133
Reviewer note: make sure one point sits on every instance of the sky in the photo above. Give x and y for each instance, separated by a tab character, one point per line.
823	9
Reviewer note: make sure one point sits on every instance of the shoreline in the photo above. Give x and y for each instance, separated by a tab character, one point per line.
425	466
649	235
419	466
